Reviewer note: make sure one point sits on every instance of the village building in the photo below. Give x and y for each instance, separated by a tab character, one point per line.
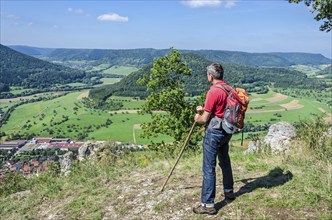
14	144
67	140
38	164
41	140
66	145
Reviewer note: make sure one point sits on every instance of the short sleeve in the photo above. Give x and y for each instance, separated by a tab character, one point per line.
209	102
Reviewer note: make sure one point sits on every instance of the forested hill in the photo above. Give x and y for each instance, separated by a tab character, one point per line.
141	57
304	58
253	79
21	70
32	51
133	57
264	59
194	84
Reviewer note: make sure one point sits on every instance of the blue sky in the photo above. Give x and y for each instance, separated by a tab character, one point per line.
243	25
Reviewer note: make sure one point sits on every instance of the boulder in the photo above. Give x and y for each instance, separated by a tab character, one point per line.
65	163
279	139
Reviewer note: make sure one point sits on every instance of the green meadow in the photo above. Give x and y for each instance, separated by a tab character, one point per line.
66	116
309	70
110	80
121	70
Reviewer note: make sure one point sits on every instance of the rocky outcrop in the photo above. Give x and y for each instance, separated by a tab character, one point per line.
278	139
100	150
65	163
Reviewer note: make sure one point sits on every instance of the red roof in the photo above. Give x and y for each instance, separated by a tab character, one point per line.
26	168
35	163
65	145
43	140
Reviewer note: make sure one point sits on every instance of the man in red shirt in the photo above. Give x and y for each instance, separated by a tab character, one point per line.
215	142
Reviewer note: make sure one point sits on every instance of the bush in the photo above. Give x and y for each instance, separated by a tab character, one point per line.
314	133
12	183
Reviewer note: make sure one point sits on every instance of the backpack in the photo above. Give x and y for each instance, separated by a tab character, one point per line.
236	105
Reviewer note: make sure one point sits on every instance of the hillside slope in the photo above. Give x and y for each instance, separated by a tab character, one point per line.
32	51
267	187
21	70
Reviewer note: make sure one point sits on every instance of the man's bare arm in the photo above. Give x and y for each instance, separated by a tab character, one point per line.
202	118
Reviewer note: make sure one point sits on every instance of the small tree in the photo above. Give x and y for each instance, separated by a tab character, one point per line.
167	96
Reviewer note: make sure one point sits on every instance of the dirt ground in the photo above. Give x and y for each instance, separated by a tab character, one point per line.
83	95
329	115
294	104
277	97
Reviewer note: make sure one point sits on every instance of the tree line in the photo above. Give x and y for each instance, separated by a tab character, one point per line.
253	79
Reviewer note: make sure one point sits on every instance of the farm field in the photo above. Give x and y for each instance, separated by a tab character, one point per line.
309	70
109	81
121	70
289	109
66	116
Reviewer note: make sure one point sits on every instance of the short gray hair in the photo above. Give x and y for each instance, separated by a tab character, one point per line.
216	70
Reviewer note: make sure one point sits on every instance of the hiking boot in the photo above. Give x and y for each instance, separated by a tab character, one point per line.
204	210
229	195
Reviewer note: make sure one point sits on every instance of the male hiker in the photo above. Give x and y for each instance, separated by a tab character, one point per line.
215	142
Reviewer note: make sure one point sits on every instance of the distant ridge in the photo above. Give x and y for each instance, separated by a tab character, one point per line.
32	51
141	57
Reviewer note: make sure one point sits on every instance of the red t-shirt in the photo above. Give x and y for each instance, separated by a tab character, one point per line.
215	101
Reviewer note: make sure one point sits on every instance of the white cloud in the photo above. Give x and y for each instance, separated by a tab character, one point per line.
201	3
112	17
79	11
75	10
230	4
30	24
208	3
10	16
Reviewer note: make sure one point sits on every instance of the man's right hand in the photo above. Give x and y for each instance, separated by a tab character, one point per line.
199	109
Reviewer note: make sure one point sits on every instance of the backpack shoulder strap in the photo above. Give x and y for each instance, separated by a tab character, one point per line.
227	90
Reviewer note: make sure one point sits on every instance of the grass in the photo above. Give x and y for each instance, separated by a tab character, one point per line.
121	70
76	84
311	71
40	115
292	186
125	127
18	90
110	80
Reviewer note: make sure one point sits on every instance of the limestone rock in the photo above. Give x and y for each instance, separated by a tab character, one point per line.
88	149
279	139
65	163
100	150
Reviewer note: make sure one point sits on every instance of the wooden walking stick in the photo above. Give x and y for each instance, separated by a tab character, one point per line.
181	152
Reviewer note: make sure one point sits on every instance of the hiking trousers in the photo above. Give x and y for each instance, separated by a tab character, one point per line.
215	144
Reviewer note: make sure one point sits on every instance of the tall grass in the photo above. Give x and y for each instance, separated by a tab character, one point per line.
314	134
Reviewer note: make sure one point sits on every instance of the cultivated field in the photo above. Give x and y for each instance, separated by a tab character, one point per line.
66	116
